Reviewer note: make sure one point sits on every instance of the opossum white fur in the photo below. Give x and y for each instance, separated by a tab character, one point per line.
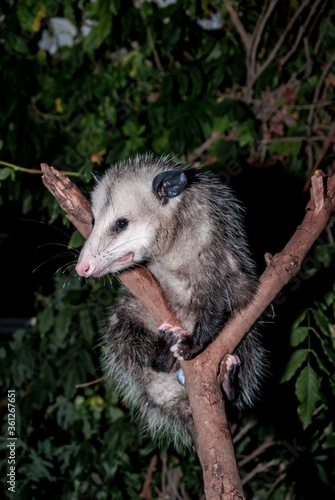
186	227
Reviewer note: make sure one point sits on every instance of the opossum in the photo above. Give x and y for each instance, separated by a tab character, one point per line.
186	227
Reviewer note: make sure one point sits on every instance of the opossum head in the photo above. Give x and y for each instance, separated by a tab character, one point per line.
129	206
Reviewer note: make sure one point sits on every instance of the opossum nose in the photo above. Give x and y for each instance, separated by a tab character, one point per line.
85	268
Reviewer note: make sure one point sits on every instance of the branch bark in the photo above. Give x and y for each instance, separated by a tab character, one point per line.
203	377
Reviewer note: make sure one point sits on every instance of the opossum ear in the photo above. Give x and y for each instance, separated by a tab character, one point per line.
169	184
97	175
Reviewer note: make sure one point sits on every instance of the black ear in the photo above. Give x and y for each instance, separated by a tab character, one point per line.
169	184
97	175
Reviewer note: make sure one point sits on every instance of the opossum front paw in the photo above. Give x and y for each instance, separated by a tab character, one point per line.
165	359
172	338
229	381
183	349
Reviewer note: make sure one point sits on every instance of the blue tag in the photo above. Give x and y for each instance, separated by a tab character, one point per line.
181	377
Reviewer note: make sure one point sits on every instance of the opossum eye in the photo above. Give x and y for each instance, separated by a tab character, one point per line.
93	221
120	225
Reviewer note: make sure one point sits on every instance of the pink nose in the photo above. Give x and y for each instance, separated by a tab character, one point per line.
85	268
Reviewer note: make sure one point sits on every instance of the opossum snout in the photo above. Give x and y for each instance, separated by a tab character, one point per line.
90	266
85	268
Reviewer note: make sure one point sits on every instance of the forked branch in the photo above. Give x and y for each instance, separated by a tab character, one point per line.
203	377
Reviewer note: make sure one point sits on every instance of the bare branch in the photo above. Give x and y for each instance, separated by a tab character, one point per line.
258	32
238	25
330	140
281	39
46	116
259	468
301	32
145	493
317	92
258	451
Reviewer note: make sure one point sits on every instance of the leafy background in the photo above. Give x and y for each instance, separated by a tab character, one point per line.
243	90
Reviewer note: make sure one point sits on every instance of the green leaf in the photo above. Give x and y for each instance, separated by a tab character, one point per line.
330	443
6	172
63	322
76	240
321	472
45	320
27	203
299	319
85	324
296	360
222	124
132	129
298	335
246	134
323	323
285	148
307	389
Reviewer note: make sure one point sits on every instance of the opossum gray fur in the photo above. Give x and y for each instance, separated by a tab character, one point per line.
186	227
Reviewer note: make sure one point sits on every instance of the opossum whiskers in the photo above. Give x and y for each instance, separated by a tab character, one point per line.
63	254
109	252
108	277
70	276
72	250
65	267
46	224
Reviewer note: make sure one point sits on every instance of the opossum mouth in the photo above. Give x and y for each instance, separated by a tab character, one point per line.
121	260
124	260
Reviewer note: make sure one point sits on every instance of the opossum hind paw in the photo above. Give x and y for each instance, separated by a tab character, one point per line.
229	381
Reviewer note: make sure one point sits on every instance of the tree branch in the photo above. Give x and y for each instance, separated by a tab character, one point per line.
301	31
281	39
203	378
257	34
246	39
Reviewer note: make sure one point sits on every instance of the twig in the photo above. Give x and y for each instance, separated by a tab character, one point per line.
38	112
251	42
257	34
204	146
87	384
33	171
308	106
151	41
281	39
275	484
258	451
317	92
246	39
244	430
259	468
316	138
330	140
321	36
301	31
145	493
